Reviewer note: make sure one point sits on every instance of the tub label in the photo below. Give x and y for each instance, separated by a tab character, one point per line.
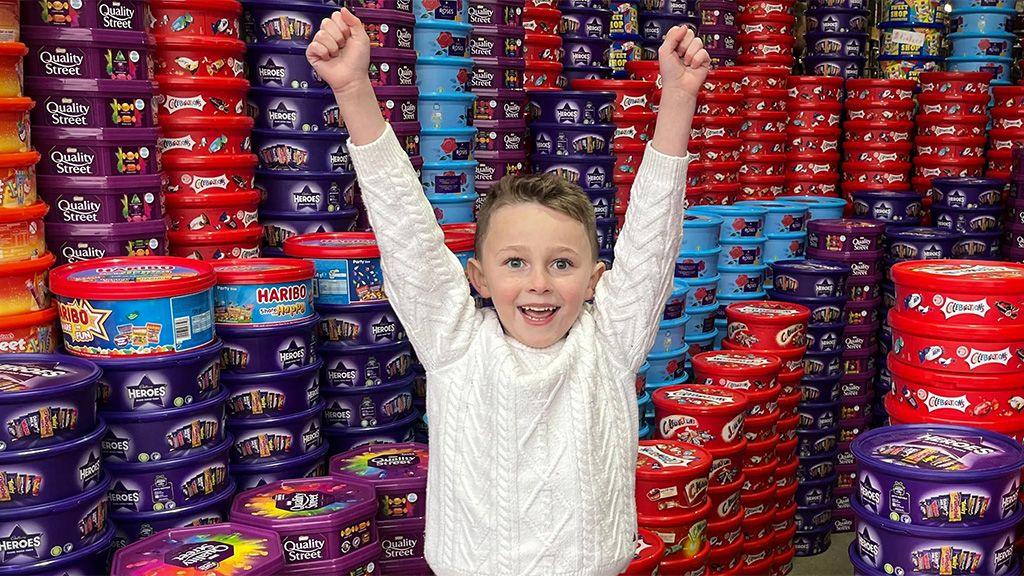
281	116
201	556
398	547
73	161
271	73
115	15
183	143
304	548
201	184
176	104
20	543
253	304
59	61
64	111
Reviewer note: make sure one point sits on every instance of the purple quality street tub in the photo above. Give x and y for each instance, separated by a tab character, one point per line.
168	484
102	199
253	350
364	366
347	439
397	472
159	382
588	172
860	337
76	242
89	14
41	475
368	407
227	548
573	108
847	236
281	66
919	243
327	192
164	434
47	399
967	192
96	151
318	520
272	394
88	103
274	439
896	207
133	526
360	325
501	136
497	74
810	278
401	543
571	140
308	465
88	54
495	42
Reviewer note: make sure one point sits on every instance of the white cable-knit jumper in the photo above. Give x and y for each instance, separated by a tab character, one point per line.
532	451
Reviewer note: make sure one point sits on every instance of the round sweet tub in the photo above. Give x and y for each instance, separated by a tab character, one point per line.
243	243
96	151
738	221
394	433
167	434
368	407
441	38
126	15
87	53
701	232
102	199
213	212
218	18
454	110
159	382
708	416
262	292
250	349
263	440
572	107
310	465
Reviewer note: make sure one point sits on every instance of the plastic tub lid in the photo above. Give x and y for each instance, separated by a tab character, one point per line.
200	44
262	270
650	549
44	262
443	25
140	277
24	213
825	201
701	399
969	333
313	504
658	459
27	375
15	49
967	275
386	467
810	267
847	226
737	363
213	162
768	312
258	549
212	200
215	237
199	83
444	61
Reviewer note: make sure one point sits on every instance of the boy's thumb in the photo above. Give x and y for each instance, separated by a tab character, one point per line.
353	22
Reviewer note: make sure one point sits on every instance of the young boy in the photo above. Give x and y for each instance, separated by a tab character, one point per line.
533	414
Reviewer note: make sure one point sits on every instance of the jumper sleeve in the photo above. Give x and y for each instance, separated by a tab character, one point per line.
424	280
630	298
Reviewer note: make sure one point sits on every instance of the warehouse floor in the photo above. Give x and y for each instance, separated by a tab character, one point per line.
834	562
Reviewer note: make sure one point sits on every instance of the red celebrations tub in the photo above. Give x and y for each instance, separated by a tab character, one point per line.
671	477
737	370
708	416
960	292
963	348
767	324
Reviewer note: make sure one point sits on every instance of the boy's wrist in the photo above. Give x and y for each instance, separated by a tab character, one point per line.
354	88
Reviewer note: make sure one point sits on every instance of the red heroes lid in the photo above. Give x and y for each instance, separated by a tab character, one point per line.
186	162
24	213
261	270
37	318
675	520
213	200
333	245
726	363
136	278
700	399
767	312
649	551
215	237
658	459
964	275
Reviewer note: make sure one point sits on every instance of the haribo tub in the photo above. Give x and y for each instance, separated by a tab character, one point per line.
140	306
226	549
264	291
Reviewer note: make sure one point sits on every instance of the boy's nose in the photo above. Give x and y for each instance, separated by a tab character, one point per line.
539	282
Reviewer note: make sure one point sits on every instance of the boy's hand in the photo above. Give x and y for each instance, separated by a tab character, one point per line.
684	63
340	52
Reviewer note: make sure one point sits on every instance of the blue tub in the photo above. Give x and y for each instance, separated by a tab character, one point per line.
982	20
785	247
975	45
744	280
726	299
701	343
641	375
645	432
447	144
666	366
652	386
449	177
700	231
703	292
453	208
443	75
702	320
988	4
645	408
670	335
441	38
445	110
742	252
782	216
675	307
819	207
444	10
998	67
721	331
697	264
738	221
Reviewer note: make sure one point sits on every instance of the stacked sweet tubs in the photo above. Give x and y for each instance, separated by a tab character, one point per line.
91	69
697	268
304	167
147	322
912	38
205	127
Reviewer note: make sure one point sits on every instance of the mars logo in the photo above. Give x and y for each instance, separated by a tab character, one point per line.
20	543
201	556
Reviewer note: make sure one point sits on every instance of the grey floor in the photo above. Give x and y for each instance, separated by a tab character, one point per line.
834	562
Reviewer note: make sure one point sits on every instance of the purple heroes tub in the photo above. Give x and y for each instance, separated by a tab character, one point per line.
592	22
967	192
837	21
88	103
165	434
896	207
397	472
217	549
968	220
281	67
89	54
318	520
45	399
102	199
572	107
327	192
368	407
47	474
96	151
919	243
272	394
364	366
274	439
401	431
88	561
308	465
174	380
289	24
844	235
567	140
273	348
360	324
810	278
133	526
589	172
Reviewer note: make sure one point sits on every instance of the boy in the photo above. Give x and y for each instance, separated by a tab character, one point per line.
533	414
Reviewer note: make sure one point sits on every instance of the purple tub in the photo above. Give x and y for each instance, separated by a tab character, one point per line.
500	105
329	192
587	22
164	434
833	21
274	439
819	389
968	220
288	24
88	561
368	407
222	549
813	542
896	207
861	263
818	415
835	44
856	385
495	42
493	166
811	518
823	364
566	140
501	136
976	246
87	54
46	531
816	442
967	192
864	312
47	399
402	545
838	235
919	243
360	325
823	310
259	349
292	151
272	394
585	51
96	151
860	337
388	28
308	465
719	38
810	278
289	109
128	15
496	13
133	526
586	73
281	67
398	473
168	484
76	242
573	108
102	199
345	440
88	103
686	7
817	467
863	288
159	382
857	362
280	226
497	74
840	66
654	25
588	172
31	475
364	366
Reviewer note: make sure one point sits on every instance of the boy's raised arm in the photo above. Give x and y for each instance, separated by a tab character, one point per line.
630	298
424	280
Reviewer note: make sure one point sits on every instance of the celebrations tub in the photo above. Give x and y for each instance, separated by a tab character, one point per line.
227	548
708	416
134	307
960	292
767	325
397	472
672	477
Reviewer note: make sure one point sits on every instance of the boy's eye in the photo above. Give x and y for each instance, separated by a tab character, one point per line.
562	264
514	263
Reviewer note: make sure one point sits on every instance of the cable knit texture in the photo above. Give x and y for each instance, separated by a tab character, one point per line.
532	451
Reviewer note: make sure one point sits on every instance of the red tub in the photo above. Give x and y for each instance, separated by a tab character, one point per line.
721	150
719	104
960	292
709	416
195	17
952	104
767	324
964	348
671	477
759	478
765	99
948	167
541	19
761	187
186	98
790	382
880	90
813	141
209	212
725	531
757	77
765	122
542	75
776	23
719	127
877	152
761	451
211	135
1007	118
725	499
540	46
760	45
244	243
726	561
950	146
1005	139
720	172
813	185
635	128
810	163
684	534
736	370
880	110
880	174
650	549
760	428
763	165
197	174
728	80
682	566
902	414
812	116
956	126
956	83
1008	96
754	144
928	392
873	131
726	465
763	403
757	503
197	56
792	358
815	89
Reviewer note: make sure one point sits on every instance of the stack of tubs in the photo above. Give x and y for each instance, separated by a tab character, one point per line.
818	207
444	74
586	39
1007	114
147	322
264	314
916	516
205	126
813	134
398	475
697	268
54	512
657	17
973	209
785	228
741	269
91	71
912	38
879	115
304	168
837	35
714	138
1013	240
765	19
669	345
982	39
719	28
625	33
765	48
542	21
763	160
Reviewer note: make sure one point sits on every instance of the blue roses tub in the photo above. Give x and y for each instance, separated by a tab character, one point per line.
453	208
451	110
698	264
701	231
785	246
781	217
450	177
446	144
441	38
999	68
819	207
738	221
742	252
443	75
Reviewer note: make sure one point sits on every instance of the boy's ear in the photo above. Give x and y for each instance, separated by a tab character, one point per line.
595	276
476	277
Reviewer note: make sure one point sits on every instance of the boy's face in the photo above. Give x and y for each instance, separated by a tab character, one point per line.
538	269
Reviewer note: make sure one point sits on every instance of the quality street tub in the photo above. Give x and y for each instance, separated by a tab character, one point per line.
127	15
96	151
84	53
102	199
227	548
397	472
845	236
146	305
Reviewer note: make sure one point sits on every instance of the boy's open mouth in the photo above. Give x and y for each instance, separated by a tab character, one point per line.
538	314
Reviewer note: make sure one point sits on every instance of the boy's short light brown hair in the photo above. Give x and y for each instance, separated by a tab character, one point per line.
548	190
